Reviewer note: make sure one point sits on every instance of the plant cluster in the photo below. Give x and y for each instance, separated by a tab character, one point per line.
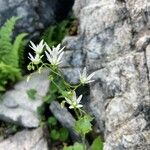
10	52
66	91
50	35
56	132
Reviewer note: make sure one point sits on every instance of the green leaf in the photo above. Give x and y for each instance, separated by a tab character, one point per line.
66	94
41	110
97	144
49	98
76	146
8	73
61	84
68	148
31	94
53	88
83	125
10	59
54	134
14	53
5	36
63	134
54	34
2	89
52	121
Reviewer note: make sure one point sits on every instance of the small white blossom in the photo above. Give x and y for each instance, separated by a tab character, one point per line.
84	78
74	102
54	55
36	60
37	48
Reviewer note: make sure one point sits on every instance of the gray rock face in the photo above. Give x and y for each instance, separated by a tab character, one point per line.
16	105
25	140
74	58
114	36
35	14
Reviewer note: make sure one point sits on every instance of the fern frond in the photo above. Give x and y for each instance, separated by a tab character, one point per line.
9	54
13	56
6	36
8	74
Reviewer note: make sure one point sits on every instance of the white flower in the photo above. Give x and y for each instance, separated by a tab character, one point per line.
36	60
74	102
37	48
54	55
84	78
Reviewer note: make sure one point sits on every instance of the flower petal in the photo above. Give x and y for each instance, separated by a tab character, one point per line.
31	57
90	76
60	56
84	74
79	106
33	46
68	101
79	99
89	81
48	48
41	43
71	107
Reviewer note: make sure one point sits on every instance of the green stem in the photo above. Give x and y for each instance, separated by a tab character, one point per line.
77	114
56	85
59	73
70	86
83	142
51	68
80	112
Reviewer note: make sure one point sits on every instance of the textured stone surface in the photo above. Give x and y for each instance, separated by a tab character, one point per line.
35	14
17	107
74	58
25	140
114	36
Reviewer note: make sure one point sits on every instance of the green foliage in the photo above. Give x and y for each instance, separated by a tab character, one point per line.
6	36
32	94
76	146
8	73
57	133
97	144
9	53
64	134
54	134
54	34
18	50
54	89
83	125
52	94
41	111
52	121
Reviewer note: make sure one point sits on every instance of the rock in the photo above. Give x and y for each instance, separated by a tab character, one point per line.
74	59
25	140
72	74
65	118
147	54
16	106
114	38
35	15
78	5
143	42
